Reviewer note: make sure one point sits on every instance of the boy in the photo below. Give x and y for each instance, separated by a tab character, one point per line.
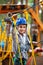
21	26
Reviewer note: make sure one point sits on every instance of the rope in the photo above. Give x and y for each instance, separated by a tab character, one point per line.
19	49
29	60
32	49
17	42
11	59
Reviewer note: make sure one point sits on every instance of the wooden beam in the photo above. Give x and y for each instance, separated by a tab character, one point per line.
11	8
36	18
37	7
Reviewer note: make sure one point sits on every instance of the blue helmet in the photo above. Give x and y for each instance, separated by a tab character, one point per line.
21	21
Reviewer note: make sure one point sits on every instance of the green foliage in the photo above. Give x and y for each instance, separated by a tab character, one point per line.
30	1
3	1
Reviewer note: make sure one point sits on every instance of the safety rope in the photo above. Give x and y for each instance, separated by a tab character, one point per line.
11	59
17	42
29	61
33	55
32	48
3	38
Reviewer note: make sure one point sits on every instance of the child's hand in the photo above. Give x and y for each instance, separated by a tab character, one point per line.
35	50
30	50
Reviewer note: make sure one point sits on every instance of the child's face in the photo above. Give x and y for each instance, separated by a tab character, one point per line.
22	29
8	27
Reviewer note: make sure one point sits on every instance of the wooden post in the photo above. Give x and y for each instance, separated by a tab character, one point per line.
14	1
21	1
26	2
37	6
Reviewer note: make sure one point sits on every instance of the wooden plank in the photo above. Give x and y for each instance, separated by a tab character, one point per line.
5	8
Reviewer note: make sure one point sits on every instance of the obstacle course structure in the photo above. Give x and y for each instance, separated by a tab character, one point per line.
5	8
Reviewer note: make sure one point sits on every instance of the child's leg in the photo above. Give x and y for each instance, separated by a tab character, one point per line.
17	61
24	61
